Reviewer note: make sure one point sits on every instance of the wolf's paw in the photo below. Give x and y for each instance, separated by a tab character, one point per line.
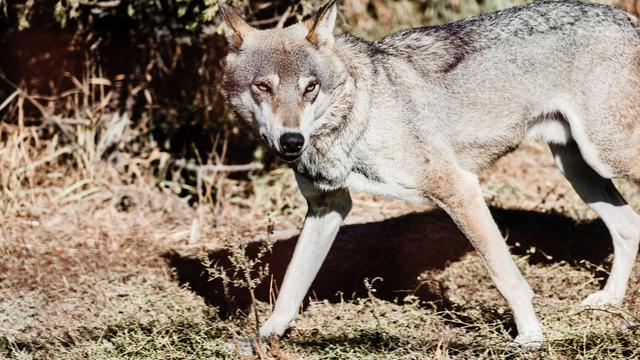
529	341
273	327
601	298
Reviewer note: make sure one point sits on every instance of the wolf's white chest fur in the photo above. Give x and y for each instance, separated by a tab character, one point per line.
404	191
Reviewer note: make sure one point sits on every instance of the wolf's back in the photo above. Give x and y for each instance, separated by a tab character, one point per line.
569	23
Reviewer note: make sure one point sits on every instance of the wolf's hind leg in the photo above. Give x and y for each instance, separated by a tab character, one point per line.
621	220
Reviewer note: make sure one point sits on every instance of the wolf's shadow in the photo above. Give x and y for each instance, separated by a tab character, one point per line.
399	250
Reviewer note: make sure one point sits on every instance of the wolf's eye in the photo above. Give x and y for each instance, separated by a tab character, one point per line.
311	88
262	87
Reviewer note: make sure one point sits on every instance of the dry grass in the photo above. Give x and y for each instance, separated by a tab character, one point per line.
99	253
95	265
108	276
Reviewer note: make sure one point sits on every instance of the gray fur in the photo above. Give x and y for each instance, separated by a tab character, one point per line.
415	114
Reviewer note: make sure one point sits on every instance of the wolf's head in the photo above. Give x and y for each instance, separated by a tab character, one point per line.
283	81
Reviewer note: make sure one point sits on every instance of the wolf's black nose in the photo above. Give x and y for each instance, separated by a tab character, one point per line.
291	142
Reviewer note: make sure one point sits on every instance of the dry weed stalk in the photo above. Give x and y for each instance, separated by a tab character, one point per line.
245	271
371	295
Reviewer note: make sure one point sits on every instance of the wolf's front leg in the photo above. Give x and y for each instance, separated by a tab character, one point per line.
458	192
325	214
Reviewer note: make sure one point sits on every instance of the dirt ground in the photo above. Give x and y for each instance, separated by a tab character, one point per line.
120	274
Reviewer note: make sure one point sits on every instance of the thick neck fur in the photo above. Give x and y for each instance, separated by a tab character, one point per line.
333	153
330	157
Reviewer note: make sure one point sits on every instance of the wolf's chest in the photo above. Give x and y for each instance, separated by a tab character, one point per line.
407	191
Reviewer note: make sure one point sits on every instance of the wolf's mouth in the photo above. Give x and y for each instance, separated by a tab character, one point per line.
289	157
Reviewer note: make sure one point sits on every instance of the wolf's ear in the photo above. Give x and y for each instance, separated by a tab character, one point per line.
238	28
321	25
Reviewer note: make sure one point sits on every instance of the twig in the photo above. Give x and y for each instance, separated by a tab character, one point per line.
55	120
24	94
279	20
620	313
103	4
218	168
9	99
284	17
372	297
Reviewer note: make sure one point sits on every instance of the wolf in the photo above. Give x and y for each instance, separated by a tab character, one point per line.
417	114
